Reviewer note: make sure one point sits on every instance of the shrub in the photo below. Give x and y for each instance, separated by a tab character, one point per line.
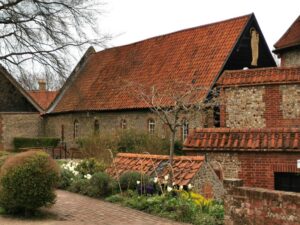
27	181
90	166
122	141
128	180
65	179
21	142
99	185
79	186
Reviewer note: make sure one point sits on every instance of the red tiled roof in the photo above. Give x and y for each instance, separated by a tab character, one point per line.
196	54
184	167
291	36
233	139
43	98
275	75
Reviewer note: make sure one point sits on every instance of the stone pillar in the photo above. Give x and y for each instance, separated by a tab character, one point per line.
230	185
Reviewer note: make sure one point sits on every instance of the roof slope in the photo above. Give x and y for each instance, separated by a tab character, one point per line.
273	75
196	54
247	139
184	167
291	37
43	98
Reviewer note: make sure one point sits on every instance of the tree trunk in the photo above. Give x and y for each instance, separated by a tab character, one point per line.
172	143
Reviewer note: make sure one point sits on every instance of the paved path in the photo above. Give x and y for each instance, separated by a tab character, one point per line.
76	209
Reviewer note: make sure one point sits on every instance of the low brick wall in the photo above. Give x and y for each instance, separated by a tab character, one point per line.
248	206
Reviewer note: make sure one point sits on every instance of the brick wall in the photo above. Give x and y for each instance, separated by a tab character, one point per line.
108	122
255	168
19	125
248	206
261	106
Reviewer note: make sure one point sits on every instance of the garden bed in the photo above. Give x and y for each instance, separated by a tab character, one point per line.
140	192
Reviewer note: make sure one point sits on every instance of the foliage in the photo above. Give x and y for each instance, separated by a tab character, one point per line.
99	185
86	177
27	181
99	145
90	166
129	180
65	180
172	206
21	142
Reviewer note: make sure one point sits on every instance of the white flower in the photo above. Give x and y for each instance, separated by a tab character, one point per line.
138	182
88	176
166	177
75	172
169	189
155	180
173	184
180	187
190	186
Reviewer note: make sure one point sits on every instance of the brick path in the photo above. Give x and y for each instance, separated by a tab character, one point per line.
80	210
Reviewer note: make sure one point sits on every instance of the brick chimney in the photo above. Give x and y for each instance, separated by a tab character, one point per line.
42	85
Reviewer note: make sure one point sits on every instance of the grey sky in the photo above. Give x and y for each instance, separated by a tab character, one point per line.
134	20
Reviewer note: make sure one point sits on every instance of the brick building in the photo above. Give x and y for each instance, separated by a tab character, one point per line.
260	120
19	113
96	96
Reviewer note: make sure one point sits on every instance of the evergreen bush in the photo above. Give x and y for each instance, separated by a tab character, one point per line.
27	181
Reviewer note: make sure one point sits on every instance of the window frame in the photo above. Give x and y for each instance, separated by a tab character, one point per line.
151	126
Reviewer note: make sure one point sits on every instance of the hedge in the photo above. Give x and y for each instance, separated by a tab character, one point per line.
21	142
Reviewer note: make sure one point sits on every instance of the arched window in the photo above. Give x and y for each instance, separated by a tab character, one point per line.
76	129
185	129
96	126
123	124
151	126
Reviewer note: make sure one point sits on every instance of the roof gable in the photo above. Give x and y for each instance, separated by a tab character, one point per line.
184	167
14	97
197	54
290	38
43	98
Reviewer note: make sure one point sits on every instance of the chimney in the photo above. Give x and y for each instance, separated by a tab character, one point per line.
42	85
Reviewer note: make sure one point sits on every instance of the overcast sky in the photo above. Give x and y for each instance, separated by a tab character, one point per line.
134	20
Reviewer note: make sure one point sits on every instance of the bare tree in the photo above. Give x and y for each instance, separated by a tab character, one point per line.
44	35
176	101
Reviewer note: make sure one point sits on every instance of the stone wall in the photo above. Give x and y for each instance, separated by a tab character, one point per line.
208	184
245	107
227	164
256	169
108	123
290	58
261	106
245	205
19	125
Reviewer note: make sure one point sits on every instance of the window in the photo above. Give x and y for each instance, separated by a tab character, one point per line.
287	181
96	126
185	129
123	124
151	126
76	129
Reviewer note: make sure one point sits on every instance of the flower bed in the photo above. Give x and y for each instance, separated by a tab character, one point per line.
141	192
